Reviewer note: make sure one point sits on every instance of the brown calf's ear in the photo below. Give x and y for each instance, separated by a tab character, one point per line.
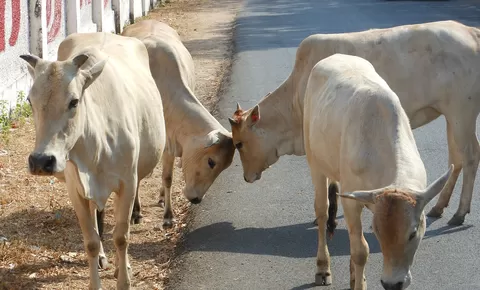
232	122
254	116
32	61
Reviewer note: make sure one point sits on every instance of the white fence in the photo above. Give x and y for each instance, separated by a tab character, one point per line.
38	27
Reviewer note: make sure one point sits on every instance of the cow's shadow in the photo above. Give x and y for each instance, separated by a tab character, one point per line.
295	241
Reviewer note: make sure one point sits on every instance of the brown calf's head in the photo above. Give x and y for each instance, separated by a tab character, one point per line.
399	224
255	145
56	101
203	160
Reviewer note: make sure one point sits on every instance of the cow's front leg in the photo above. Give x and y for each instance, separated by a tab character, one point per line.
123	207
91	239
136	213
358	245
167	177
323	275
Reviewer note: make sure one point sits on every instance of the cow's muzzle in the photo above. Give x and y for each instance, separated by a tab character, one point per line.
392	286
41	164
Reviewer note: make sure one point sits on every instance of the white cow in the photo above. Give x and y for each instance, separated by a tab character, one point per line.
357	133
99	125
434	69
204	145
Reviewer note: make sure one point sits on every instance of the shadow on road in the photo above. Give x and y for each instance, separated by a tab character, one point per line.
295	241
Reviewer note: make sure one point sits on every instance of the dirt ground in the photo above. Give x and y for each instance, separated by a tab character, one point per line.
40	241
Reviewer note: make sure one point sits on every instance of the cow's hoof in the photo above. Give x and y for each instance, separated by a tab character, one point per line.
116	273
161	203
352	284
435	213
456	220
315	222
323	279
167	224
103	263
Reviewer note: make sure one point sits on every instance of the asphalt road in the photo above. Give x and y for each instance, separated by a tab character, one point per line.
260	235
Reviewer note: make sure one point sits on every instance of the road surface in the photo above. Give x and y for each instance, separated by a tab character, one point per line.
260	235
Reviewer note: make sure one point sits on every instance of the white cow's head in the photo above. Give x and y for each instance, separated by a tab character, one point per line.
56	99
257	147
399	224
203	159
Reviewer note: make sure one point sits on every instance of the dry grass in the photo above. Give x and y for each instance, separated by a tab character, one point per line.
43	247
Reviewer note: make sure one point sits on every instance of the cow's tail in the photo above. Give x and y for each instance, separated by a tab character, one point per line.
332	207
100	222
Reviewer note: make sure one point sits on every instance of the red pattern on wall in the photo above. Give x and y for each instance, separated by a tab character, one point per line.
16	17
57	19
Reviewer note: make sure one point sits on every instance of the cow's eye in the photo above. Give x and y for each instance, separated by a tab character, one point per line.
73	104
239	145
211	163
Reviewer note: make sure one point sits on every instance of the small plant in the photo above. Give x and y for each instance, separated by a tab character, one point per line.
13	117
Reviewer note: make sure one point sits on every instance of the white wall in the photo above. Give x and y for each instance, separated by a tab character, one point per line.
40	28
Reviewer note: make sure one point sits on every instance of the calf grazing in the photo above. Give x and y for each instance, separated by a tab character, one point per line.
355	132
205	146
99	127
433	68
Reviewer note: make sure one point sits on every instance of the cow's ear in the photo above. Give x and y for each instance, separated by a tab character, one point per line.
32	61
216	137
254	116
90	73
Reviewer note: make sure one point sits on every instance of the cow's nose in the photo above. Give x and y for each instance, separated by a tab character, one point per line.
392	286
195	200
41	163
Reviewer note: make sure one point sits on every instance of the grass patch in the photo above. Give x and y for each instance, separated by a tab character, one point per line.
12	118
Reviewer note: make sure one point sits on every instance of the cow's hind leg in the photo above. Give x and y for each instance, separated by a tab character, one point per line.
91	239
352	210
123	206
464	127
136	213
99	220
167	176
323	274
455	158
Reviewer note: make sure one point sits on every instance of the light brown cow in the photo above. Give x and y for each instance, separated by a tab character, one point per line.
204	145
99	126
356	132
433	68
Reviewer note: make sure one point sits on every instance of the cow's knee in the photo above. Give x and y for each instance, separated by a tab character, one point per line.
93	247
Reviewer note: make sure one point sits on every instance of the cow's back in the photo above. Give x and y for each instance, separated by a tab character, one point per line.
352	120
124	102
170	61
423	63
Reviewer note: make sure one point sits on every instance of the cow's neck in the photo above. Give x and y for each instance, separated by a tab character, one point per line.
280	115
186	119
